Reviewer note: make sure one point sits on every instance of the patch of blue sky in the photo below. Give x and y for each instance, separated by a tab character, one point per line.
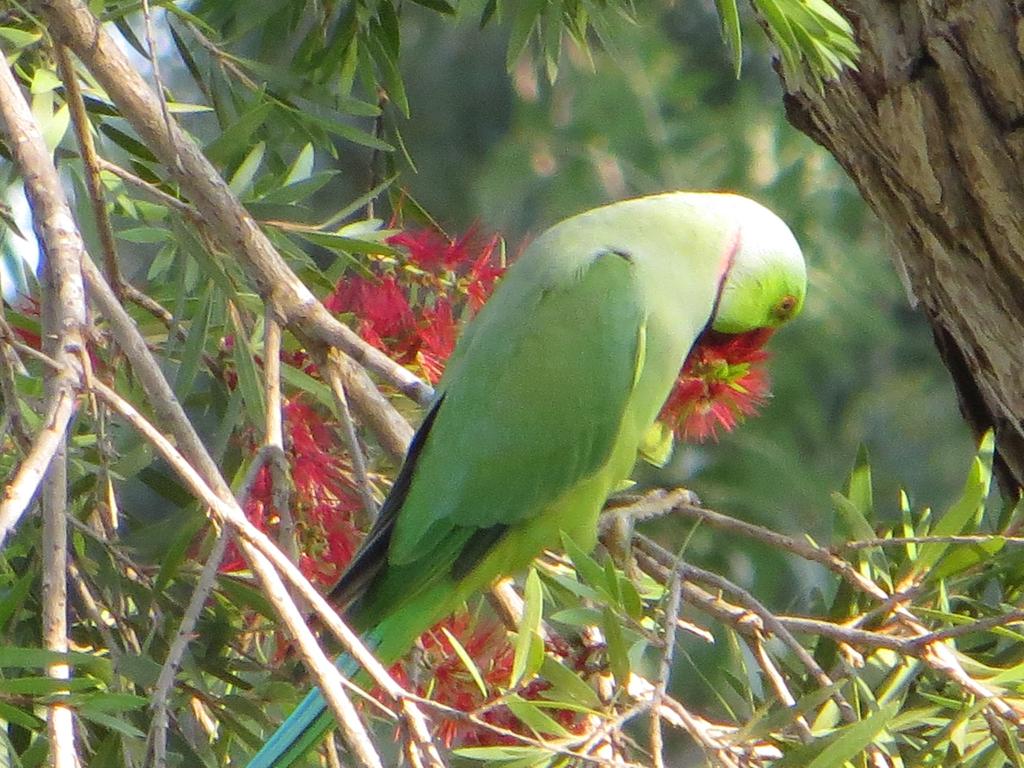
19	251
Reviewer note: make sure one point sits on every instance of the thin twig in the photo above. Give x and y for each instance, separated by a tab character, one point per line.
152	189
60	727
981	538
980	625
154	63
348	431
18	493
87	151
665	667
778	683
273	439
157	738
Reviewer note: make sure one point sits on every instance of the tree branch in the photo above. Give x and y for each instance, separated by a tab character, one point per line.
64	317
62	246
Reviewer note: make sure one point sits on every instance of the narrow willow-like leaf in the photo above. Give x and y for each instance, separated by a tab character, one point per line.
731	32
525	662
467	661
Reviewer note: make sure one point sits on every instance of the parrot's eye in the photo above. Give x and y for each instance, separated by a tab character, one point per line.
785	307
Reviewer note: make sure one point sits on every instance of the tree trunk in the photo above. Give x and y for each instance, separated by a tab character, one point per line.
931	129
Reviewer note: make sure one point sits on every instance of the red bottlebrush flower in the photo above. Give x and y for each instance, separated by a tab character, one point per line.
483	275
380	304
722	382
324	501
437	339
411	314
430	250
450	683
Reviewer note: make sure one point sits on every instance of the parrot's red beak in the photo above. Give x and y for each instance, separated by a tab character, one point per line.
723	381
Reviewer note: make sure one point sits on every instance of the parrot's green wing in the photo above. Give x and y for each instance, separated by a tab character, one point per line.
533	405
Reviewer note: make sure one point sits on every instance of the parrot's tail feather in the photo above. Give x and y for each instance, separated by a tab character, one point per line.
307	723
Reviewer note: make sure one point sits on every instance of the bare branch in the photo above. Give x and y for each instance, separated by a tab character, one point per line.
60	726
273	438
63	315
63	250
355	450
665	668
87	150
157	737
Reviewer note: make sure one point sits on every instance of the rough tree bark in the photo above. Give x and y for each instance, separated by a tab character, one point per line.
931	129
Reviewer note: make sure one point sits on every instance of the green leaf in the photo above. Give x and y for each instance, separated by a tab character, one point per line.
249	380
113	723
302	167
341	243
128	143
467	662
176	552
241	594
529	647
195	344
306	383
299	190
730	17
141	670
44	81
843	744
41	686
388	65
854	738
967	510
527	16
618	652
236	137
38	658
567	686
241	180
855	525
19	38
588	568
859	490
441	6
12	714
535	718
14	598
578	617
503	754
109	701
144	235
631	601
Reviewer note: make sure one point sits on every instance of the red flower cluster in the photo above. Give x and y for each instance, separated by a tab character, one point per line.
324	501
452	684
410	310
722	382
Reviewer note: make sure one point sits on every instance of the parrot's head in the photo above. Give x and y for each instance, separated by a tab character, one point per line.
764	278
762	282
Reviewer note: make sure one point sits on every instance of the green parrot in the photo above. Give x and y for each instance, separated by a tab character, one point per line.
543	405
